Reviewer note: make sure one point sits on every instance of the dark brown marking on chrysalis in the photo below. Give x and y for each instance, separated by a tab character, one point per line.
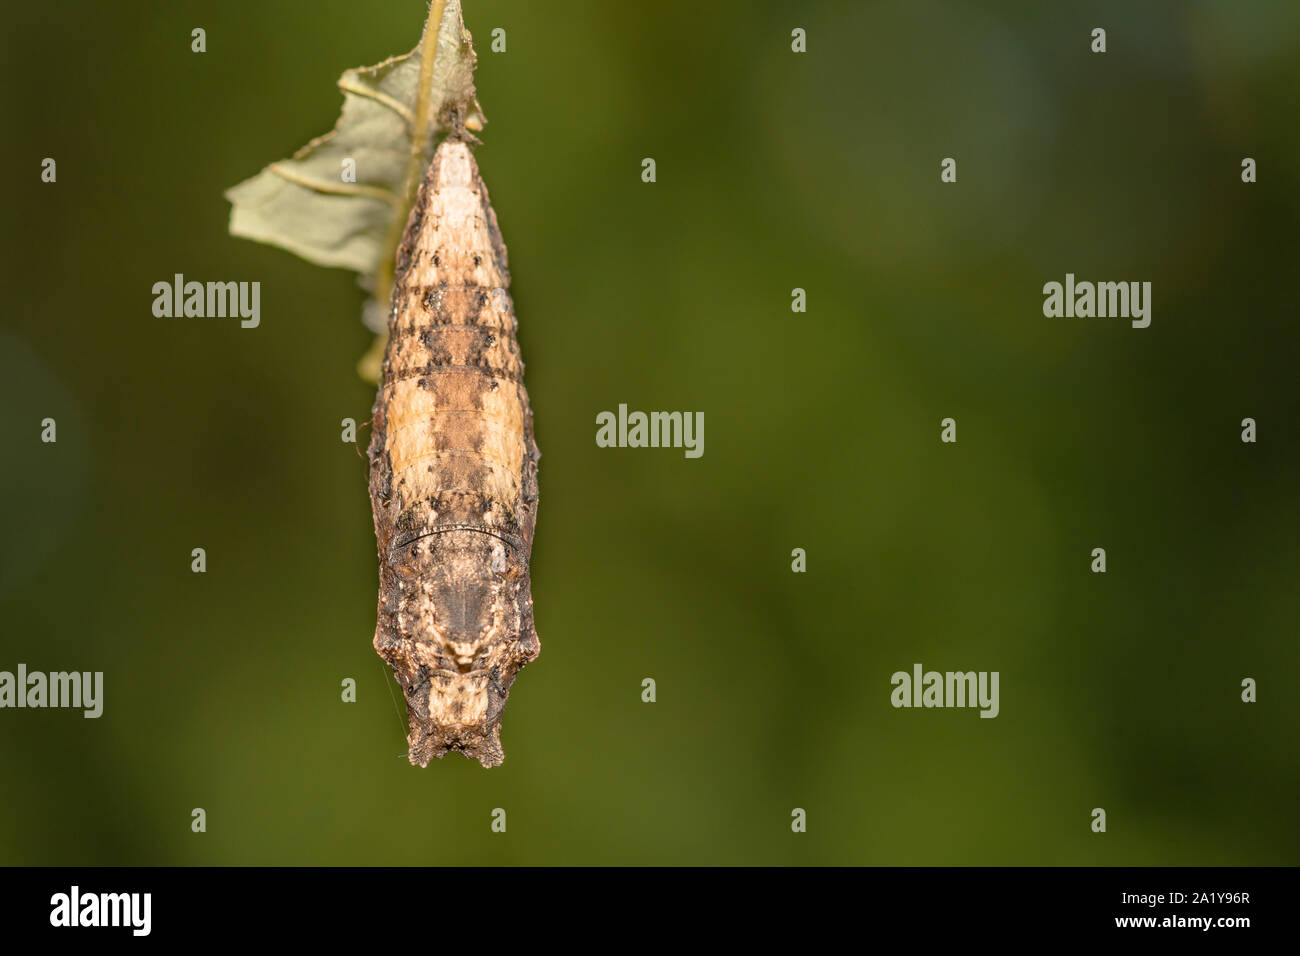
453	472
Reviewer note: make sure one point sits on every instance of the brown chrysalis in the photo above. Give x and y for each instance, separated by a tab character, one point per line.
453	472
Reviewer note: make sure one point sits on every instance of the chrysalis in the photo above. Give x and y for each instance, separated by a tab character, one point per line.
453	472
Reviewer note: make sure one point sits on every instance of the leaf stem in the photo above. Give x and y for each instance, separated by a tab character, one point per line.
334	189
422	125
421	135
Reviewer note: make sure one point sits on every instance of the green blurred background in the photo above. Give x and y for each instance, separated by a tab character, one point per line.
775	171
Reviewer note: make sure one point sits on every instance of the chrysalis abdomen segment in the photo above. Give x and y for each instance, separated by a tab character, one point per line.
453	472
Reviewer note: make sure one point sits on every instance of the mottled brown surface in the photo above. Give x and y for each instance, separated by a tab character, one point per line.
453	473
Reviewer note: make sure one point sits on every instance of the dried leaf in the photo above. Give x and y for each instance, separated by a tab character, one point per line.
305	205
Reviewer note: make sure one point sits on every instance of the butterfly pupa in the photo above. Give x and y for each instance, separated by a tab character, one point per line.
453	472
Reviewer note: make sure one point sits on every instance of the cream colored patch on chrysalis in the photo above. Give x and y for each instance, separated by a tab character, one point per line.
414	419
